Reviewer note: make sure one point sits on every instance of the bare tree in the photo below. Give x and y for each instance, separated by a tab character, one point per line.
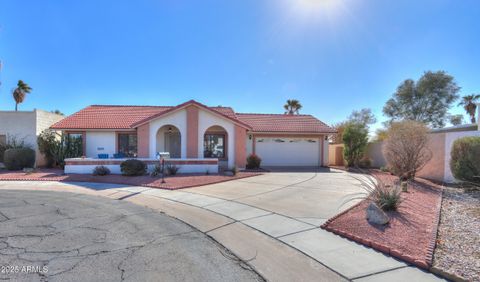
406	148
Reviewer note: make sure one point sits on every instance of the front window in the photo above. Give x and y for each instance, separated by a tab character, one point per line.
214	146
127	144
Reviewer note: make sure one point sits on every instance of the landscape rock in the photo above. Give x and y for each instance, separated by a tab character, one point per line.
376	215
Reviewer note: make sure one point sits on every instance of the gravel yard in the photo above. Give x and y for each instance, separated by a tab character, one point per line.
458	241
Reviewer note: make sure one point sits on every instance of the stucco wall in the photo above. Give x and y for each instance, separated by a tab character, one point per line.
100	143
435	168
26	126
177	119
206	120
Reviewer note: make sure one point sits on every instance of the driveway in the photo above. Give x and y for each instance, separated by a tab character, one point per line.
271	222
55	236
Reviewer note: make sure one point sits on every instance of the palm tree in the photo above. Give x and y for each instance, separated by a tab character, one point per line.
20	92
292	107
469	104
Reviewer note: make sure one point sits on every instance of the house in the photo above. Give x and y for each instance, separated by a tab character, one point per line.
26	126
196	134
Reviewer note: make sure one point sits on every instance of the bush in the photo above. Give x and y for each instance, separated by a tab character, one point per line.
172	169
384	169
253	161
17	159
365	162
406	148
101	170
465	159
133	168
58	147
157	170
388	198
11	143
234	170
355	140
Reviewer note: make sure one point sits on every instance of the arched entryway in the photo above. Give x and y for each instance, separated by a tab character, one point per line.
215	143
169	140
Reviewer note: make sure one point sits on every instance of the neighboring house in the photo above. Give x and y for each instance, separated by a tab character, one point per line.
194	131
26	126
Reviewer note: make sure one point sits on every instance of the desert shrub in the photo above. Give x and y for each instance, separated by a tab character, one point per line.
387	197
253	161
234	170
58	147
355	140
101	170
11	142
17	159
156	171
465	159
365	162
133	168
172	169
406	148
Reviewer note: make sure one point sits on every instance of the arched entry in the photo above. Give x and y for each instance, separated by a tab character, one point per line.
215	143
169	140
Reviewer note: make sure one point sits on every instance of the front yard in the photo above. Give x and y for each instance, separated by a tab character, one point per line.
173	182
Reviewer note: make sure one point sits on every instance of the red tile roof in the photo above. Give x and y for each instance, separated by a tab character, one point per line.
128	117
284	123
108	117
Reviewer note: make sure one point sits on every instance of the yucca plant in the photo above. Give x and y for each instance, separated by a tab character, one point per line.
387	197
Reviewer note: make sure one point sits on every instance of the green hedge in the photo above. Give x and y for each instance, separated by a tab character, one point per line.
17	159
465	159
133	168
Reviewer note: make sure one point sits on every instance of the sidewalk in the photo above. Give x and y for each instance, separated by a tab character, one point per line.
278	247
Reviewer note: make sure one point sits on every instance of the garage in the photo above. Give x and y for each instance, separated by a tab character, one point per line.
289	151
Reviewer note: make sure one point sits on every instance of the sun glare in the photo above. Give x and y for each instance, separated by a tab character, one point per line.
316	9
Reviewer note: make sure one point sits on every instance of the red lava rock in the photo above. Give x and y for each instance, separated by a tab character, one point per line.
172	182
410	233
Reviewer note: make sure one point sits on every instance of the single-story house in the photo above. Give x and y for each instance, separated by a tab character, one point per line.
196	134
25	126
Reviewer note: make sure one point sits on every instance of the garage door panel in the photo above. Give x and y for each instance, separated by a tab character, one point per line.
288	151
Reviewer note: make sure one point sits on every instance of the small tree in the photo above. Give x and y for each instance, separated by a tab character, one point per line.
292	107
406	148
58	147
355	139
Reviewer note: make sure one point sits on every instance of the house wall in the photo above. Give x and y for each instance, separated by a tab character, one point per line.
100	142
249	144
435	168
177	119
26	126
207	120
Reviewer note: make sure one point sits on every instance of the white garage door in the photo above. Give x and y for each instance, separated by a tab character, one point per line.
288	151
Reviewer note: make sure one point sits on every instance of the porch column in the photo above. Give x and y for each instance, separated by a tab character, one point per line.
240	146
143	141
192	132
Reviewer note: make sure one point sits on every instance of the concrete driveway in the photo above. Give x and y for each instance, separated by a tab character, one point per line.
270	222
54	236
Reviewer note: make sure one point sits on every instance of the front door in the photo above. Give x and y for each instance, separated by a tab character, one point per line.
172	144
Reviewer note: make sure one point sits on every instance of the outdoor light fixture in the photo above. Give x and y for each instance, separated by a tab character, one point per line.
170	129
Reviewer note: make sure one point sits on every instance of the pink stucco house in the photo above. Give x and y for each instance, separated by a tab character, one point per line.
196	136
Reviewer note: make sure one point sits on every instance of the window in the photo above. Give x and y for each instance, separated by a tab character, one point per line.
214	146
127	144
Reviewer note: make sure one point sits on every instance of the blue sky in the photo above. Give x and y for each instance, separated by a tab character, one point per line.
332	55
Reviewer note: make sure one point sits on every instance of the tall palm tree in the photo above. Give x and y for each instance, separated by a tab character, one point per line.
292	107
20	92
469	104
